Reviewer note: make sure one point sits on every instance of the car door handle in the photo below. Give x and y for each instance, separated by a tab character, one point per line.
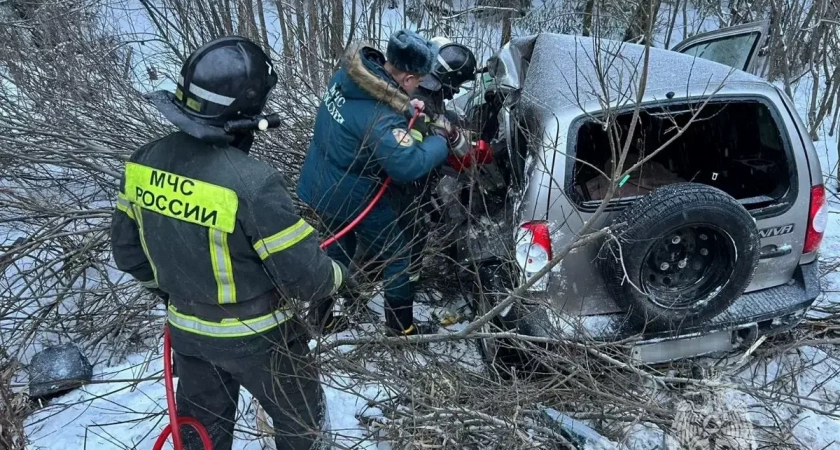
772	251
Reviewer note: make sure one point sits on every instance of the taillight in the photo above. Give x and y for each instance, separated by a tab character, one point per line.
817	220
533	248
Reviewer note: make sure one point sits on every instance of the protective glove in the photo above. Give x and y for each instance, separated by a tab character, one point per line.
443	127
322	315
415	106
349	289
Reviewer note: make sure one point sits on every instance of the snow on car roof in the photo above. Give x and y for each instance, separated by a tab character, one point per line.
563	72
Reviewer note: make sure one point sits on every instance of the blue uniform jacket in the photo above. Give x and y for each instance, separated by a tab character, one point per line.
361	137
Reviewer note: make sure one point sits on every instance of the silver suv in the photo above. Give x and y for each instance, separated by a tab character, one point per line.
714	238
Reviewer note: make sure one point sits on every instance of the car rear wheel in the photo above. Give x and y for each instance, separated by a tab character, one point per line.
680	256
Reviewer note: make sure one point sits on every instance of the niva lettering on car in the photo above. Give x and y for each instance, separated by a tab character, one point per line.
775	231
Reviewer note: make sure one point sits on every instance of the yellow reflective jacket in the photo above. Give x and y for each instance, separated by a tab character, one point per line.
217	231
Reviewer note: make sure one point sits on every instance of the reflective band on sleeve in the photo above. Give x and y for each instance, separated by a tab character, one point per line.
153	284
227	328
417	135
284	239
138	215
338	278
181	198
124	205
222	266
208	96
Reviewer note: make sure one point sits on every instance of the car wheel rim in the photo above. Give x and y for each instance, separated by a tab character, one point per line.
687	266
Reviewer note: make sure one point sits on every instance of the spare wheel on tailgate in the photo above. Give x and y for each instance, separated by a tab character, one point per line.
679	256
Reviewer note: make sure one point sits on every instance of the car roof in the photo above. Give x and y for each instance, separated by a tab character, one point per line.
562	74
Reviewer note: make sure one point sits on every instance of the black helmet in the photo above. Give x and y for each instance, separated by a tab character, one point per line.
226	79
456	64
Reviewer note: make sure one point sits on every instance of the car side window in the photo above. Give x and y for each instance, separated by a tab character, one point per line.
734	51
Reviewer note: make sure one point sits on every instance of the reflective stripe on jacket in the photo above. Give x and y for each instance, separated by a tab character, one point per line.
217	231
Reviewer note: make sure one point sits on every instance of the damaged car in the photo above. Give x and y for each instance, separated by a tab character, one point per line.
714	233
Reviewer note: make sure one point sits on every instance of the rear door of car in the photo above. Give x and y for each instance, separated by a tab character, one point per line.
743	47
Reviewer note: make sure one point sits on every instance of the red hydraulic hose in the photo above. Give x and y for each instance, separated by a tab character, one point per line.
175	422
358	218
370	205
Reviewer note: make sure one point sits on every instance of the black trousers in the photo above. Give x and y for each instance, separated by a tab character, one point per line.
278	372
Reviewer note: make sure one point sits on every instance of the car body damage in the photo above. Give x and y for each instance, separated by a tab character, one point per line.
543	104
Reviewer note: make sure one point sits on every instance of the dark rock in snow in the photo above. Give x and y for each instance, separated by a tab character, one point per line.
58	369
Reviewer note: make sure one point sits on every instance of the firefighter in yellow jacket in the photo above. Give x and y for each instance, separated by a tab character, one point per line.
214	233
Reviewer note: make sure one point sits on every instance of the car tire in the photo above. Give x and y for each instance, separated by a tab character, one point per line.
679	256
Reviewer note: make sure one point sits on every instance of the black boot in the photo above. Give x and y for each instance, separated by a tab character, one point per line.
417	328
399	321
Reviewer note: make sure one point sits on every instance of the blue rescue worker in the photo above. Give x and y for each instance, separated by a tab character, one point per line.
361	137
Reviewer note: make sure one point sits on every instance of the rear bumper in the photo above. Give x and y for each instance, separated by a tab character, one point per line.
766	311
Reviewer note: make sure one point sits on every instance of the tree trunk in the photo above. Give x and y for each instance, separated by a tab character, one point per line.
337	28
372	23
672	24
506	30
211	25
228	17
588	9
127	65
217	19
325	31
833	127
352	33
838	166
643	20
312	44
286	36
739	11
261	13
256	36
242	22
300	39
